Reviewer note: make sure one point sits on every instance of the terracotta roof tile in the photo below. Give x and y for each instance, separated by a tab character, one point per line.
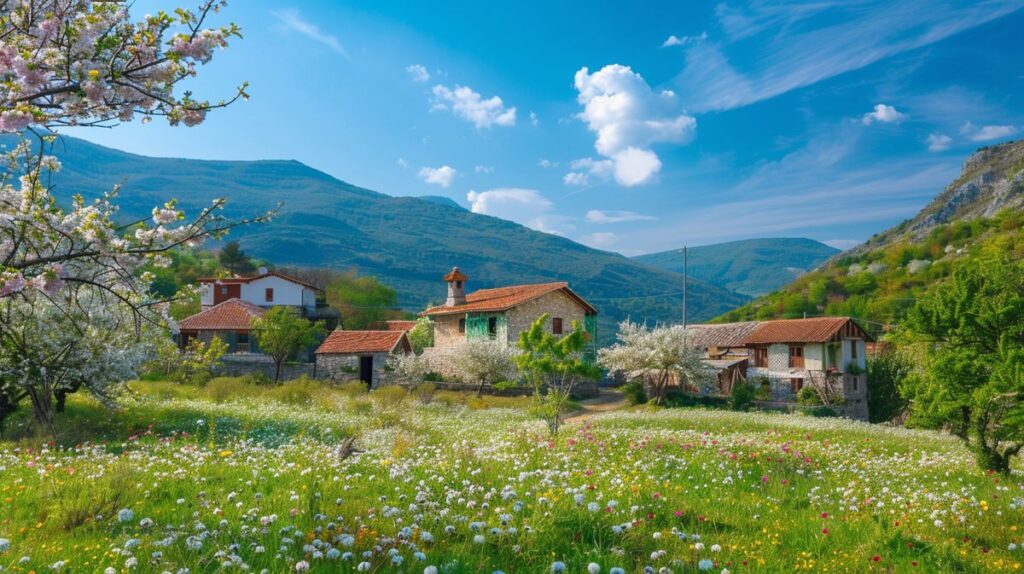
456	275
504	298
231	315
352	342
400	325
720	335
814	330
255	277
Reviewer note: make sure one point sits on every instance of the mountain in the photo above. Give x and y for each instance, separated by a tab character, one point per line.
751	266
407	242
440	200
980	213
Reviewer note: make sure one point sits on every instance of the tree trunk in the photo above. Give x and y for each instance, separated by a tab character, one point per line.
277	370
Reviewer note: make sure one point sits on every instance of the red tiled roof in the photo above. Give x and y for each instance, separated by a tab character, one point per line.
231	315
720	335
353	342
504	298
255	277
400	325
814	330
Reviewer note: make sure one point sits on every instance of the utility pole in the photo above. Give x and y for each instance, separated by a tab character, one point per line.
684	285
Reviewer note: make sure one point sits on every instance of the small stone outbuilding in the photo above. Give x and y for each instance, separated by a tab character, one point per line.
359	355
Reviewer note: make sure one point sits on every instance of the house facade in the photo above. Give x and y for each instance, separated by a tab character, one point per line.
359	355
784	356
230	305
502	313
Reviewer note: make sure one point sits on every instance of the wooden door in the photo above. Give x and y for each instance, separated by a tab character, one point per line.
366	370
796	357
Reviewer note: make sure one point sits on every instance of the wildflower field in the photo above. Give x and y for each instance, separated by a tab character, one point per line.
184	480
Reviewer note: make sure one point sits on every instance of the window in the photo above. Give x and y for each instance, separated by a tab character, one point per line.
458	284
853	349
855	381
796	357
462	326
269	294
492	326
760	356
223	289
556	325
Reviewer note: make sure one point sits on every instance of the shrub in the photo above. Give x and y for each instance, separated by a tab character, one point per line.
425	392
257	378
226	388
808	396
390	395
635	393
679	398
886	374
433	377
295	392
742	396
353	389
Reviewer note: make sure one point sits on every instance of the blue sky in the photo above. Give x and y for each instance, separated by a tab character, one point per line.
632	130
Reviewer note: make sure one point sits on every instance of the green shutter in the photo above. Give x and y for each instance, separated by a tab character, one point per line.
590	326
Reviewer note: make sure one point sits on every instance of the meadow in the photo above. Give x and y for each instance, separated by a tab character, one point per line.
302	478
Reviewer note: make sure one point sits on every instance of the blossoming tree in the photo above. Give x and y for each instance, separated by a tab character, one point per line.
75	308
656	355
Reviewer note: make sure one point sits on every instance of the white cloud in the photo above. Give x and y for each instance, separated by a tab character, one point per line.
470	106
525	206
883	114
484	169
674	40
442	176
784	46
635	166
546	163
292	21
402	163
534	120
599	216
938	142
843	244
986	133
418	73
628	118
601	239
583	168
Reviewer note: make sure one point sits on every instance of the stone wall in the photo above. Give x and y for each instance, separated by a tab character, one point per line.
556	304
341	368
446	331
248	364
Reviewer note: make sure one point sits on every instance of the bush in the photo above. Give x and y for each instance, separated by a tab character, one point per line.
886	374
226	388
762	388
635	393
433	377
391	395
296	392
352	389
680	398
808	396
742	396
257	378
425	392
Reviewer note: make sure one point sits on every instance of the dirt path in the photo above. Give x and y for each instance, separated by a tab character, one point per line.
608	400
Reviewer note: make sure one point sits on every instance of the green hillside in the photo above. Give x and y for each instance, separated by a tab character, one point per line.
407	242
751	266
978	214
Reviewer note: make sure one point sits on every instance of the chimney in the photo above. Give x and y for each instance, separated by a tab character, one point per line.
456	287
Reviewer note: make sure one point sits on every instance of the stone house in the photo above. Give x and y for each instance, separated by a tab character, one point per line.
230	321
784	356
359	355
502	313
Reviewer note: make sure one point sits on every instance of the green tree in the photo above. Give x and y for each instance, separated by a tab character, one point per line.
235	260
362	300
970	334
281	334
553	364
886	373
422	335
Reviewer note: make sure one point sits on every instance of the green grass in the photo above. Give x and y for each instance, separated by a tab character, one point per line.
262	480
